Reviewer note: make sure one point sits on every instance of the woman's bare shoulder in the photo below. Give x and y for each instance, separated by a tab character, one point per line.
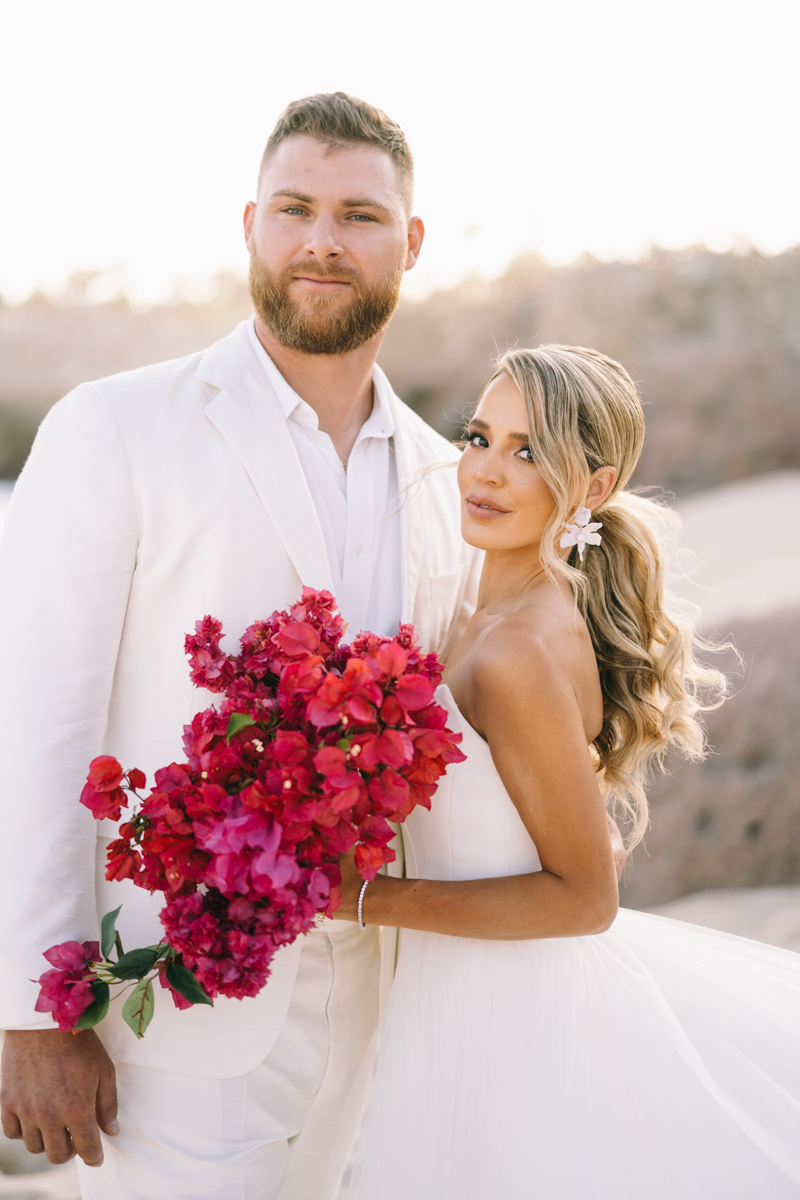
539	657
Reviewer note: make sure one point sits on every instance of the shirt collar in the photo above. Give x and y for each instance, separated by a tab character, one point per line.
379	423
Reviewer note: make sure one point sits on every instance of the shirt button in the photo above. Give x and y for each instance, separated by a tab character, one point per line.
358	548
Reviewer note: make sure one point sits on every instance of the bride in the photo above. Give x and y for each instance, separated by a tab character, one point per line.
537	1042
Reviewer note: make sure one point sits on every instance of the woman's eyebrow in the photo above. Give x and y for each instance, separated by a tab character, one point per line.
515	437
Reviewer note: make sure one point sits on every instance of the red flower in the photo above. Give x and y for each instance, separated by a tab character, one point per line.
328	743
393	748
414	692
123	861
102	792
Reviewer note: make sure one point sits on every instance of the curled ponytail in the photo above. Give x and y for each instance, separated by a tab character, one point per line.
584	413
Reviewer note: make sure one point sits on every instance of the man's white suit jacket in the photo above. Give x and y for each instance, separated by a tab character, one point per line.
151	498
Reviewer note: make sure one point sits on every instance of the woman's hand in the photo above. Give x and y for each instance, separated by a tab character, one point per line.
349	887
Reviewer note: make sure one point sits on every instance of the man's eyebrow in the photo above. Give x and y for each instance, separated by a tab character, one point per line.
294	195
364	202
357	202
515	437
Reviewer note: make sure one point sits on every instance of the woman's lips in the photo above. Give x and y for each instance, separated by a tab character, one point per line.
483	509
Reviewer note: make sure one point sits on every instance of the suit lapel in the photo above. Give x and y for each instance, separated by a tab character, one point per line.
412	510
247	414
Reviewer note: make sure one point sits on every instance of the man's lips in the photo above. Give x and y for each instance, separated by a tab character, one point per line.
317	283
482	508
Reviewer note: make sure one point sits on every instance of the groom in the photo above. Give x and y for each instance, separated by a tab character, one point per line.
220	483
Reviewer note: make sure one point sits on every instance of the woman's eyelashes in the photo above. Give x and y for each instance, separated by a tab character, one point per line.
479	441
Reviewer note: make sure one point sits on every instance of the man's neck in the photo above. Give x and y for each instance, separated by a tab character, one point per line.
337	386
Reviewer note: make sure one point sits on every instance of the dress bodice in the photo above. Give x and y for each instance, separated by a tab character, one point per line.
473	830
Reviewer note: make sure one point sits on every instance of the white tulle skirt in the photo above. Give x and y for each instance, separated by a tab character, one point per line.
657	1061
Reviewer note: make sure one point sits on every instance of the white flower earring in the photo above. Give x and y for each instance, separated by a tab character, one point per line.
582	531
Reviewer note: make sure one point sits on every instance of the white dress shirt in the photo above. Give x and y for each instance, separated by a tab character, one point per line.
357	507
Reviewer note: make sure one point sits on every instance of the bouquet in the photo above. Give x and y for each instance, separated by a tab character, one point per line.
315	747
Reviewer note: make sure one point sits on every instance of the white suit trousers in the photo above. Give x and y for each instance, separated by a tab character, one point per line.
267	1135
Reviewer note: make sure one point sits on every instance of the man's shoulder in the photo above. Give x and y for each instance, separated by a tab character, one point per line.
213	364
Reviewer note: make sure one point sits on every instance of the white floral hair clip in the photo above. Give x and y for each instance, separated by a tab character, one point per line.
581	532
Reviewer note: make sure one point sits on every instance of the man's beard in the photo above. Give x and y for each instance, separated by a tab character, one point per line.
324	329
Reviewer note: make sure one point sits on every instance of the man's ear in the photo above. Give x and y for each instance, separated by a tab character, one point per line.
416	234
249	219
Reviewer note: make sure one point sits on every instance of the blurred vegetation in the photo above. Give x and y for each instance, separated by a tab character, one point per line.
713	340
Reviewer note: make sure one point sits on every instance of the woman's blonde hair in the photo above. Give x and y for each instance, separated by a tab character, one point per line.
584	413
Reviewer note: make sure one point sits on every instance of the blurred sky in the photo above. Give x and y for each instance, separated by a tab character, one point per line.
130	133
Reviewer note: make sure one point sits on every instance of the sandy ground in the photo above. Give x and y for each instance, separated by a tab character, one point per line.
744	540
768	914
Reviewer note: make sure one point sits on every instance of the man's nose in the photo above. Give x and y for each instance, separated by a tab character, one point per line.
324	242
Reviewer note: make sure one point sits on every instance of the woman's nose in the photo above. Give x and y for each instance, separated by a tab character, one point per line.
487	469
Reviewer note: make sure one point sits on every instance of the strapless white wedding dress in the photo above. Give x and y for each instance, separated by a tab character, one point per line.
657	1061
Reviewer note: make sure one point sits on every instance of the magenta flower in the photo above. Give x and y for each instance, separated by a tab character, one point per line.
66	991
312	748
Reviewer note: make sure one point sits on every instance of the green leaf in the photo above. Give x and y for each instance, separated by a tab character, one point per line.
134	964
137	1011
94	1014
187	983
161	950
238	722
108	933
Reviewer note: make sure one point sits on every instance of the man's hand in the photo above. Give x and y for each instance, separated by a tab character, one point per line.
58	1091
618	846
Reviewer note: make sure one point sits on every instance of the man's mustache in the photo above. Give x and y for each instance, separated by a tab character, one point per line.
318	271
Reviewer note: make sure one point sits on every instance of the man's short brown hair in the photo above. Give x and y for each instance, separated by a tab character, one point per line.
341	120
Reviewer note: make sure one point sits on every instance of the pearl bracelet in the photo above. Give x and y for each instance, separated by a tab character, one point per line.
361	924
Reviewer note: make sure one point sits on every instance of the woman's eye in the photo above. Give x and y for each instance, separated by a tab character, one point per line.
527	454
477	440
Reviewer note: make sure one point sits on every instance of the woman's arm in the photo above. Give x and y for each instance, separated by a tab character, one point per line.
528	709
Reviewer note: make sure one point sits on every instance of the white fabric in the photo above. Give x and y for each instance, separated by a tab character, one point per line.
149	499
358	508
655	1060
266	1135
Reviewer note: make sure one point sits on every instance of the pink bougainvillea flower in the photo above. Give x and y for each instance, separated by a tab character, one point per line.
392	659
297	639
414	692
178	1000
312	747
66	991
